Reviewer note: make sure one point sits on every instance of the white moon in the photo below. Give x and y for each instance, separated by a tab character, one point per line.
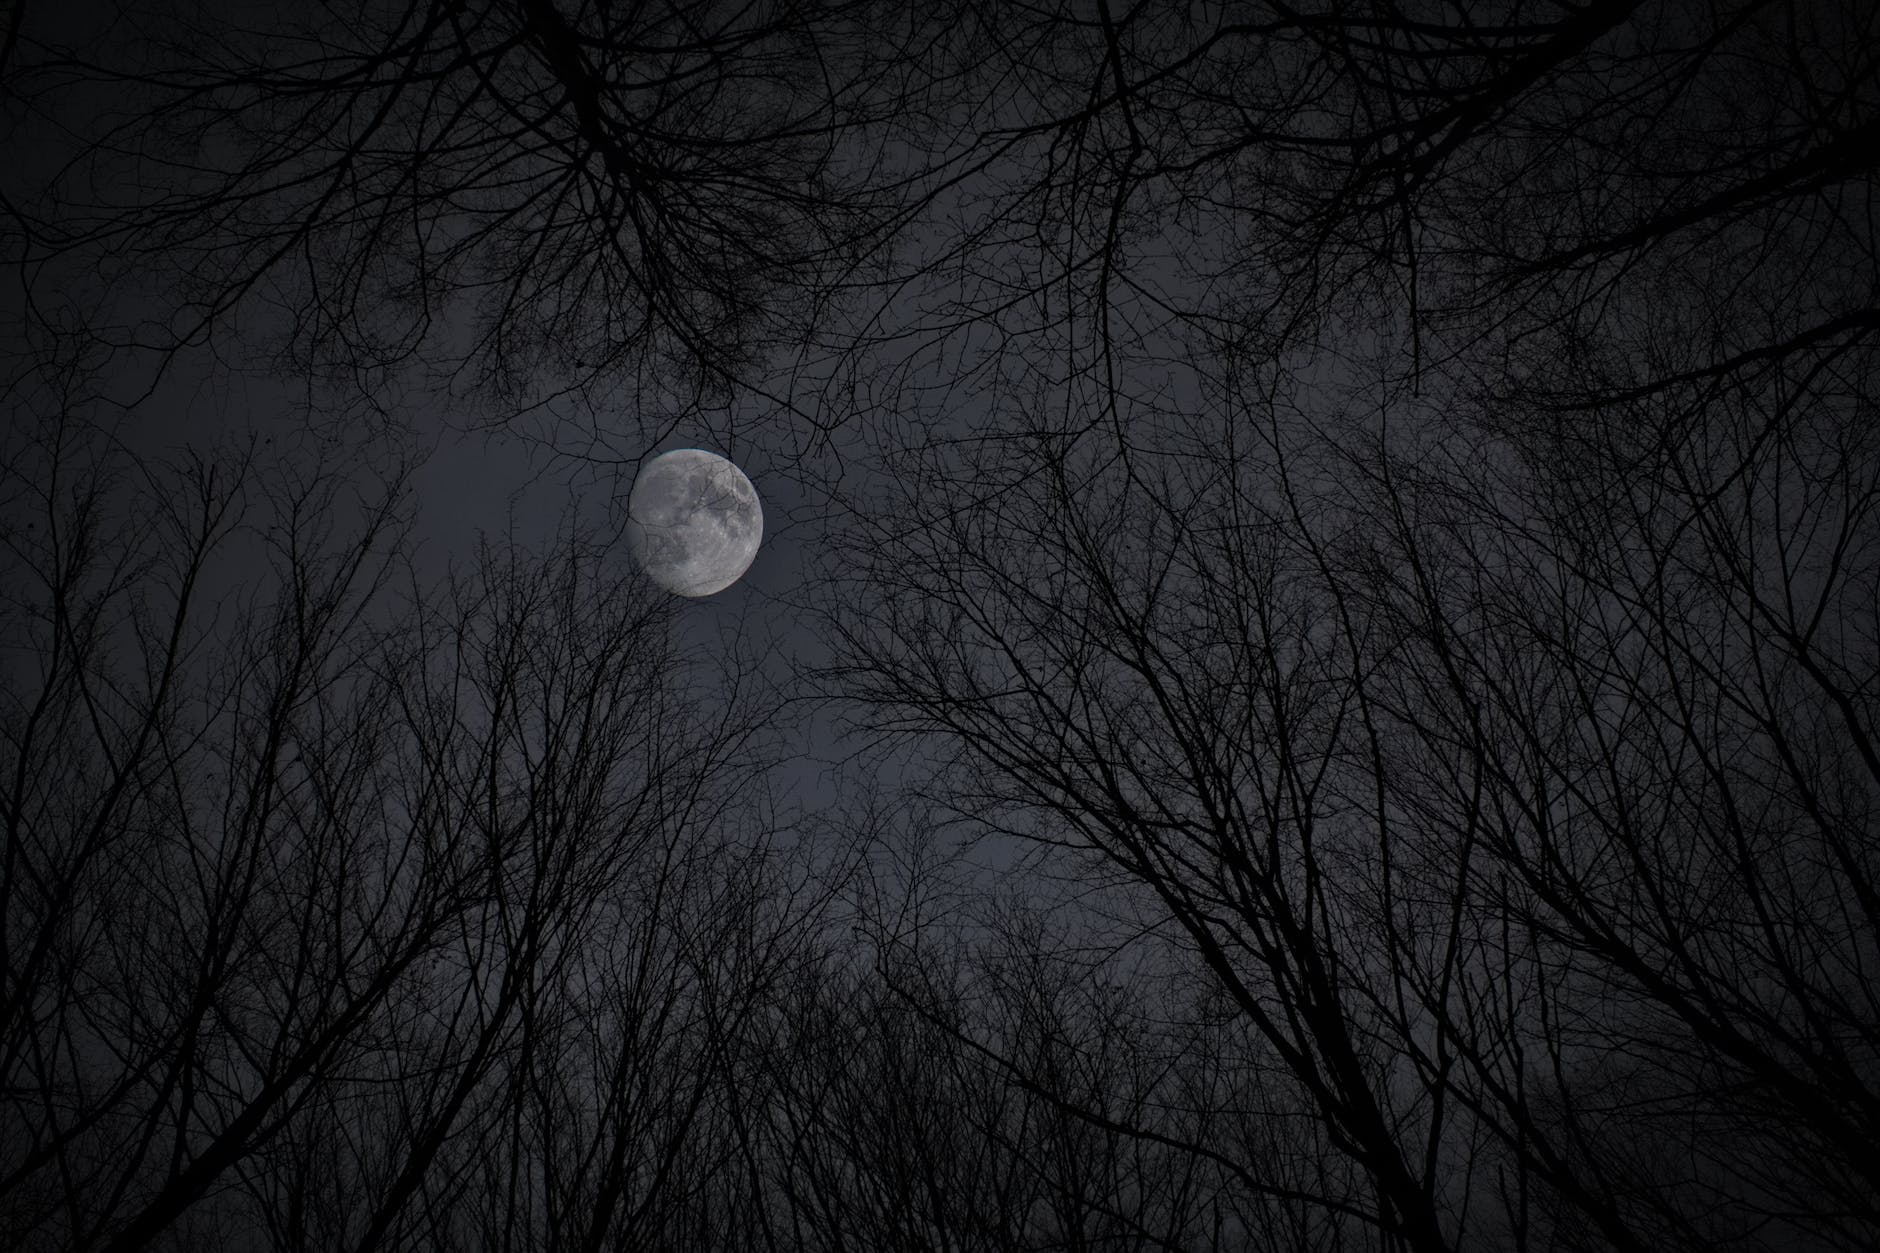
694	521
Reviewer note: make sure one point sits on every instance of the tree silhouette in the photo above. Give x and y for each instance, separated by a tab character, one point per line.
503	192
1349	554
328	905
1516	801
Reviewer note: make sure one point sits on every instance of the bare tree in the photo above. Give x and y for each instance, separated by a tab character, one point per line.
686	200
330	916
510	194
1360	582
1512	794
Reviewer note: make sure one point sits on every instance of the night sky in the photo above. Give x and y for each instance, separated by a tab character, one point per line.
1312	679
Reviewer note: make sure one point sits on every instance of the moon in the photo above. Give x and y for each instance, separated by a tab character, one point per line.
693	521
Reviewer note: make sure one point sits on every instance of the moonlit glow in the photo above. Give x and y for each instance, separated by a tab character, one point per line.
694	521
